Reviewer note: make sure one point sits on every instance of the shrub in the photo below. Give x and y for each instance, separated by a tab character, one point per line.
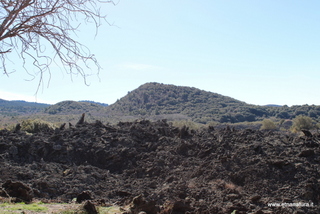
268	124
212	123
186	123
302	122
34	126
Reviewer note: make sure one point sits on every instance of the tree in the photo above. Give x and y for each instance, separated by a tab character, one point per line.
34	29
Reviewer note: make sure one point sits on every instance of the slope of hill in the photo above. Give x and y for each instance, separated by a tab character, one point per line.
73	107
20	107
152	99
155	100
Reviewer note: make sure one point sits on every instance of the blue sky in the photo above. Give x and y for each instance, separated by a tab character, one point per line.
259	52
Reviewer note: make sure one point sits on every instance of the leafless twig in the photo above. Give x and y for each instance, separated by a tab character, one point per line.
36	28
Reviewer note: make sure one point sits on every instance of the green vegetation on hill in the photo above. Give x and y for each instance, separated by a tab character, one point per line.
62	112
17	107
156	101
73	107
153	100
89	101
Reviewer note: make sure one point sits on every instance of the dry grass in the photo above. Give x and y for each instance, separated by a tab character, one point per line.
221	184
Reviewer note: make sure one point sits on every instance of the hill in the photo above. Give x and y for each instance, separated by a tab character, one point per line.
161	100
155	100
20	107
13	112
73	107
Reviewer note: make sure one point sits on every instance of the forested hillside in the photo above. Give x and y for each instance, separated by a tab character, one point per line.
155	100
19	107
73	107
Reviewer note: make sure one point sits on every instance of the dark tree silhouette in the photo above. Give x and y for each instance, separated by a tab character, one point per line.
41	32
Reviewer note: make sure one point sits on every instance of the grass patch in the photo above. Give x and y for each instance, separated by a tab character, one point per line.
73	212
109	210
101	210
34	207
54	208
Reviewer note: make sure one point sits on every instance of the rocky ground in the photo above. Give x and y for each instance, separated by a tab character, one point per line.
158	168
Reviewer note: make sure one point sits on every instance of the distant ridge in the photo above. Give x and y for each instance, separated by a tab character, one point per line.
21	103
273	105
89	101
74	107
20	107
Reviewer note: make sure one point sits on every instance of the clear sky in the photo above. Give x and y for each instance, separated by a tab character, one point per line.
259	52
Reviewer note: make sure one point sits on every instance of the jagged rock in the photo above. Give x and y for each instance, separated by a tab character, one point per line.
255	198
177	207
81	120
306	153
62	127
140	205
20	191
90	208
210	170
184	132
85	195
306	133
17	128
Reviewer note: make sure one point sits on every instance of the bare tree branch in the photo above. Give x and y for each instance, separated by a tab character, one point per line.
35	28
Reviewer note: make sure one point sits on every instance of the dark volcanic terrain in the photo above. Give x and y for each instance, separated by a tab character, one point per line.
172	170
